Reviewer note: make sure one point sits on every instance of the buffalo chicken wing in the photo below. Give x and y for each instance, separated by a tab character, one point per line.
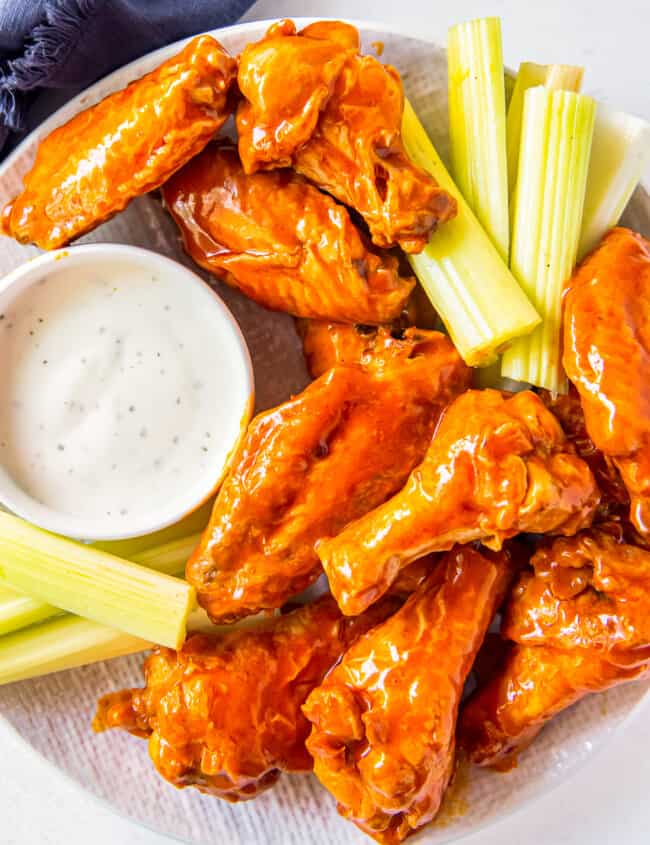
310	466
223	714
354	149
282	242
614	500
607	357
497	466
130	143
274	120
327	344
384	719
579	623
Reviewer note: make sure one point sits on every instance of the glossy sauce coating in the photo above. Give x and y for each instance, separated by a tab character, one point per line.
497	466
533	685
354	150
615	500
384	719
128	144
282	242
224	714
310	466
590	591
579	623
327	344
274	120
607	357
414	575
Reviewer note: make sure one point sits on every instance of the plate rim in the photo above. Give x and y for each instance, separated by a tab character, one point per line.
64	113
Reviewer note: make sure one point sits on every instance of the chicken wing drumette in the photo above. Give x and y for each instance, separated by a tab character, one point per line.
339	124
223	714
130	143
497	466
579	623
607	357
384	719
310	466
282	242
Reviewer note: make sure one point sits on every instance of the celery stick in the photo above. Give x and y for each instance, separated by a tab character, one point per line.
461	270
554	77
564	78
477	124
509	79
557	130
18	610
70	641
93	583
59	644
619	155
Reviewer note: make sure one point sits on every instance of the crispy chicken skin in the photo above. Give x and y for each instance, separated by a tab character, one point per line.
282	242
327	344
130	143
580	623
274	120
497	466
614	500
310	466
607	357
342	130
384	719
223	714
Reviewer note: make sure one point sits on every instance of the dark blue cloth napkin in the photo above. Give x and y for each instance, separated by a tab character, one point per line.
71	43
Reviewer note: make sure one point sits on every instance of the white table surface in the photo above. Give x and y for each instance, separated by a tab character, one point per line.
607	801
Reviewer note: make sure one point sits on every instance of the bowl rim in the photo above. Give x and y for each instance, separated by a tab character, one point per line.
20	502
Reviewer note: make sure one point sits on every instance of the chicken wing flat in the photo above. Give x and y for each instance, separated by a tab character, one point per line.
607	357
282	242
354	149
130	143
310	466
535	683
328	344
223	714
384	719
497	466
580	623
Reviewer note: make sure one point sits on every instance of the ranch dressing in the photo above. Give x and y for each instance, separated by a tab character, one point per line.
114	391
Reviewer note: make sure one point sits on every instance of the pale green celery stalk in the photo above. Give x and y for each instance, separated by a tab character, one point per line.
461	271
477	124
554	77
59	644
557	130
619	156
69	642
18	610
509	79
94	584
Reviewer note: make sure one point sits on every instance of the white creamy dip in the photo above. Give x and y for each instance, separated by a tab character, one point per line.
120	397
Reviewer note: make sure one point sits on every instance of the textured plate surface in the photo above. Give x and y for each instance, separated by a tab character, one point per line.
53	714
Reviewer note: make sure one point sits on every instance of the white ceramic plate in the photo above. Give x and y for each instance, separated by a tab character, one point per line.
53	714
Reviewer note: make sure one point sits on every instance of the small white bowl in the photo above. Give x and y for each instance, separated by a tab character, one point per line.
216	346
